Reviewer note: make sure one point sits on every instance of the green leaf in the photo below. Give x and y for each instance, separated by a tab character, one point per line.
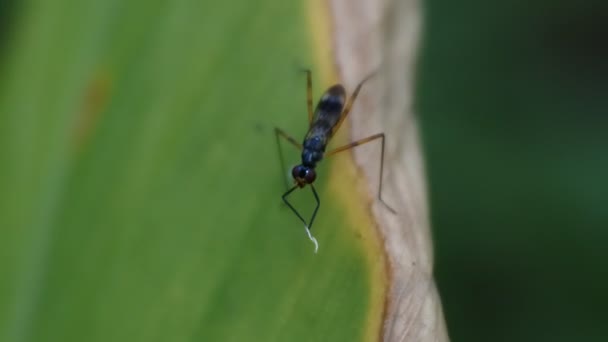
141	185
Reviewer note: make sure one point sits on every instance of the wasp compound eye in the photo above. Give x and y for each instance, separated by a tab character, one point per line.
310	176
298	171
304	174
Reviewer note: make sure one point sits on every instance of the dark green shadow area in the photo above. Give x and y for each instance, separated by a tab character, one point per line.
140	182
512	97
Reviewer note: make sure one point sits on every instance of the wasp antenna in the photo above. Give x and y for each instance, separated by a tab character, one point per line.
370	75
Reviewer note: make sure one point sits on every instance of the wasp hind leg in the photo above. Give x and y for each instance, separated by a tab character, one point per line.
361	142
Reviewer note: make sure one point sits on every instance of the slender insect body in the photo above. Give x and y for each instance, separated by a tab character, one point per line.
329	114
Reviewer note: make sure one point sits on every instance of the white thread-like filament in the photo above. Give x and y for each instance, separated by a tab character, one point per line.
312	238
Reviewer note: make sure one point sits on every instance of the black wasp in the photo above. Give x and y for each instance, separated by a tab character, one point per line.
324	122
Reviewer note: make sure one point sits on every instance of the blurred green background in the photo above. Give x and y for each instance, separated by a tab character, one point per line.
513	99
